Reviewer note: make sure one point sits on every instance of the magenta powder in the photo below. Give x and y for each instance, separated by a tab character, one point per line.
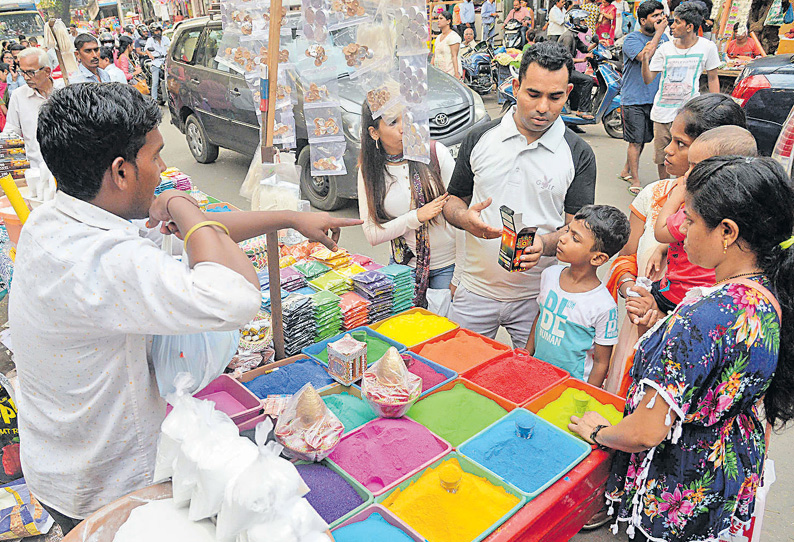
385	450
428	375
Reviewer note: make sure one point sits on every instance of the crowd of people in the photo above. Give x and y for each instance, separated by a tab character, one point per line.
707	292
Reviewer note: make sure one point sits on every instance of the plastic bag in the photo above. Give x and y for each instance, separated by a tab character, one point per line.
327	157
306	428
413	78
321	87
202	355
411	22
300	523
388	387
212	426
183	419
219	463
439	301
261	491
323	123
21	515
416	135
316	14
345	13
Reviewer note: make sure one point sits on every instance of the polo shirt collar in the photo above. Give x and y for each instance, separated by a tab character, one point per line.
29	92
89	74
551	139
91	215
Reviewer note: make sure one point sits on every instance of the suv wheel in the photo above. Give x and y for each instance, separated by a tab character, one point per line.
203	151
320	190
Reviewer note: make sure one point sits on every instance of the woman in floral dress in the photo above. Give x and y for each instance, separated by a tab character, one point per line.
691	445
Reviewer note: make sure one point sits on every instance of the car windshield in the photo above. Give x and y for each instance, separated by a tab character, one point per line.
26	24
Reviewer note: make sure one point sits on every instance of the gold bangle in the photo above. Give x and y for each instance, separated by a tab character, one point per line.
201	225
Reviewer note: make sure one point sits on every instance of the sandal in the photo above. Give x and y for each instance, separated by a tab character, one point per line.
634	190
626	178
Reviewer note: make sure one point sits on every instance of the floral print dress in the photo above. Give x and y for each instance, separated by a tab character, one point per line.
711	361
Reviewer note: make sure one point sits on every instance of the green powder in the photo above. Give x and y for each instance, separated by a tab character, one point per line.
457	414
351	411
375	349
559	412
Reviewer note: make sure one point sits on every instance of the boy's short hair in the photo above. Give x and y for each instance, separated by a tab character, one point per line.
3	67
609	227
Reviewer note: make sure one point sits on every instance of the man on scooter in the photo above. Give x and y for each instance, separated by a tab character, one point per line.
582	96
157	49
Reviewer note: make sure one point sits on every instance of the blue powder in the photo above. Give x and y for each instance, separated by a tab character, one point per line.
289	379
372	528
528	464
220	209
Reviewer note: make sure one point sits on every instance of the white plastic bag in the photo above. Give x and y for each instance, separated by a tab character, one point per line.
307	428
212	426
203	355
439	301
259	492
219	464
183	418
300	522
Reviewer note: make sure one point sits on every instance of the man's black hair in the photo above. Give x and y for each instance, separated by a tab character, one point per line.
609	227
20	37
33	39
106	53
3	67
16	47
73	25
691	12
646	8
81	39
549	55
83	128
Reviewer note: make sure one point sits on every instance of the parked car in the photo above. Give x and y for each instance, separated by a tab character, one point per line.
784	147
213	106
765	89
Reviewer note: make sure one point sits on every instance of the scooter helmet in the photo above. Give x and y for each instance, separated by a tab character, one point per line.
155	27
129	29
575	20
106	39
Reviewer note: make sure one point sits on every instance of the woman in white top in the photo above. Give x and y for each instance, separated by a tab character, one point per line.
446	47
400	201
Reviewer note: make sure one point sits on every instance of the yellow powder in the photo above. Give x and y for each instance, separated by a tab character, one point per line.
441	516
414	328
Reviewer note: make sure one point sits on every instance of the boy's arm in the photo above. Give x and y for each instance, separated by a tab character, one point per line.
601	358
674	201
531	340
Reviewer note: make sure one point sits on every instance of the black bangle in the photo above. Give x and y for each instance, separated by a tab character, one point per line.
594	434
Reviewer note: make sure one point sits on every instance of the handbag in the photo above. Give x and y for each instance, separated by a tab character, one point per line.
140	84
775	17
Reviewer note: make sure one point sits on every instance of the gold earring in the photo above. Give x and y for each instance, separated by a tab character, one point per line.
724	246
377	145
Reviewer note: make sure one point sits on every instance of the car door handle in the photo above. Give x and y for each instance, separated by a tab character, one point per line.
195	81
234	92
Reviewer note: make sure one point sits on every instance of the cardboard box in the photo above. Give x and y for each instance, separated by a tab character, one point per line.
516	238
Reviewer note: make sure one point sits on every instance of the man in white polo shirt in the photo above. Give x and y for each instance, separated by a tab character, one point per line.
530	162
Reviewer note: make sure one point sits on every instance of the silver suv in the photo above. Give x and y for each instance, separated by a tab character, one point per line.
214	108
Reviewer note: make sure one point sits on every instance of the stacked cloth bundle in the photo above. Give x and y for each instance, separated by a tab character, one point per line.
311	269
376	288
332	282
366	262
403	279
337	259
299	324
173	179
327	315
355	310
291	279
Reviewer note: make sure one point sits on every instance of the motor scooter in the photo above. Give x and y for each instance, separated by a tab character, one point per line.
606	101
478	69
514	34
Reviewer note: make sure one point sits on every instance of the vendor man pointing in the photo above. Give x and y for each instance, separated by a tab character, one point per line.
530	162
90	290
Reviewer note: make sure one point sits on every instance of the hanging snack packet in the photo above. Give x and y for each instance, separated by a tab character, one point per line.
306	428
388	387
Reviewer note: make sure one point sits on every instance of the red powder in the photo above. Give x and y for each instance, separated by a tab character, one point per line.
515	380
462	351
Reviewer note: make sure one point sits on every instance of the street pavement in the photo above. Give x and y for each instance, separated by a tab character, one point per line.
224	177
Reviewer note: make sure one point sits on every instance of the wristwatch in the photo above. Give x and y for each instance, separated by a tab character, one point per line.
594	434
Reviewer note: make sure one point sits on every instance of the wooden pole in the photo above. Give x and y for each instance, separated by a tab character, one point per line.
268	156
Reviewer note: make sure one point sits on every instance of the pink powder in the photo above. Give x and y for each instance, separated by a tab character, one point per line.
429	376
225	402
385	451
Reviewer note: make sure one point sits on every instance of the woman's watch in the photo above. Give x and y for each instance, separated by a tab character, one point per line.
594	434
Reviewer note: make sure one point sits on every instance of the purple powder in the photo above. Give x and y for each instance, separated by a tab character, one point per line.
331	495
430	377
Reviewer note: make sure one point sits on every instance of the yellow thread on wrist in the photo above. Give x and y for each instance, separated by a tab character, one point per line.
201	225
